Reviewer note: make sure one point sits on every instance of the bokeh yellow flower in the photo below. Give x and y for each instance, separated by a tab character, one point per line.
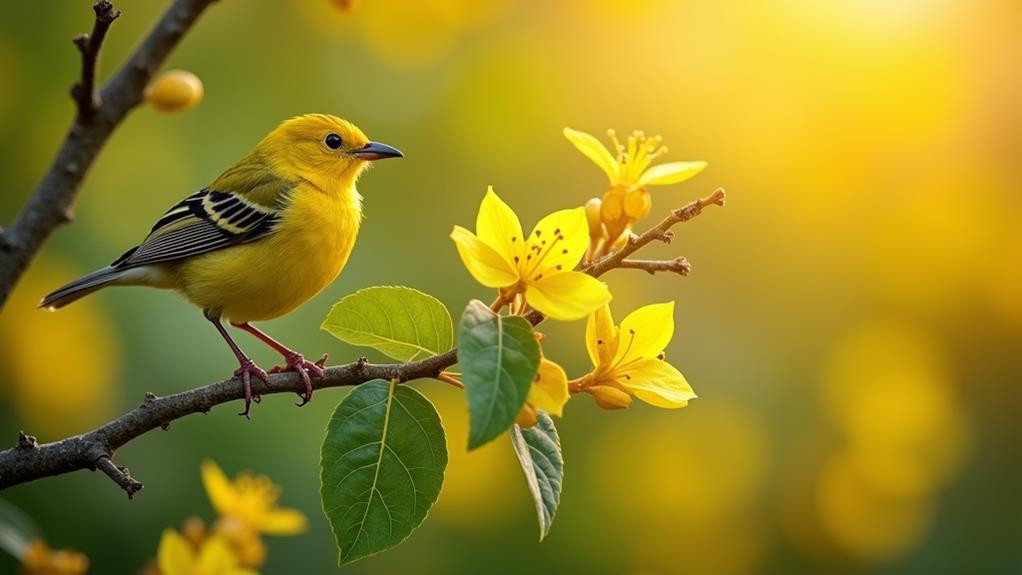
176	556
630	171
538	267
630	358
83	335
39	559
250	501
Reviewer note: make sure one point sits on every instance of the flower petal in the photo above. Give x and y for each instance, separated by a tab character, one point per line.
567	296
549	391
283	521
483	262
656	382
601	337
498	227
670	173
595	151
174	555
218	487
559	239
216	556
645	332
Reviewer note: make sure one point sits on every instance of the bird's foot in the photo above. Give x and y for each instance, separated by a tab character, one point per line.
245	372
295	362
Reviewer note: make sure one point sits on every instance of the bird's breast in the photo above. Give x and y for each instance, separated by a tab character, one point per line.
272	276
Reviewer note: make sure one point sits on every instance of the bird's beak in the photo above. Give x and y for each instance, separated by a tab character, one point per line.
376	151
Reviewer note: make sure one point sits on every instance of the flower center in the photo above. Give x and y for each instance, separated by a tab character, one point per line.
619	365
637	155
537	250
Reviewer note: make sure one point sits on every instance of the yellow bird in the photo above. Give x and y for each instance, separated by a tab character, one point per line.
266	236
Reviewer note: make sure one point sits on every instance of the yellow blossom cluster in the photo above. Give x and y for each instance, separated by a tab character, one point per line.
630	172
247	509
541	271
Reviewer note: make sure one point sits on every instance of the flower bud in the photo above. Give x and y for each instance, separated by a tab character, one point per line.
527	417
174	91
609	397
611	206
593	216
637	204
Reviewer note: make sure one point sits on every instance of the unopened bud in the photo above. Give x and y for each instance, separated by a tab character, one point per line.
174	91
609	397
611	207
637	204
527	417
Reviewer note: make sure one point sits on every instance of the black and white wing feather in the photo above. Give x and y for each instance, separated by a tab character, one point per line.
203	222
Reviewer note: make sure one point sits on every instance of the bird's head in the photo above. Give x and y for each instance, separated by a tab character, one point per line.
322	149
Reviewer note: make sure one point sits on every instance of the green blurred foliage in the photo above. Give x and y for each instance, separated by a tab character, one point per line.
852	323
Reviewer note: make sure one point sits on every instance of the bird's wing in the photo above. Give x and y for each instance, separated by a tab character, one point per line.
203	222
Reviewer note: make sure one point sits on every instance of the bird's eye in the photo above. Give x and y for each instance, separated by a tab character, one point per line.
333	141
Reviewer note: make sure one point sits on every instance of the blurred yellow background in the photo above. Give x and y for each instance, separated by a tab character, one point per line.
852	323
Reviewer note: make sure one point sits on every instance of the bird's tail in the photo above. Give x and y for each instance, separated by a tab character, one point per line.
81	287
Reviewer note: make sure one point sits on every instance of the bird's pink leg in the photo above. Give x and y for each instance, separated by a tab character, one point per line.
293	361
248	367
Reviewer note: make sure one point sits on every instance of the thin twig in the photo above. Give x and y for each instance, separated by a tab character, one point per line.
659	232
678	265
28	460
120	475
84	91
50	204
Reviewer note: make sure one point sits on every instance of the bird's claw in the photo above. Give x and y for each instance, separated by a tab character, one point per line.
297	363
245	372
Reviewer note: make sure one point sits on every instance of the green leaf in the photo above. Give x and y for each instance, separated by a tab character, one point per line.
383	463
499	357
401	322
539	451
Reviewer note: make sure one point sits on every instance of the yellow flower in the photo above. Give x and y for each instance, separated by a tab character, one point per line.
630	171
549	392
631	358
251	501
176	556
38	559
538	266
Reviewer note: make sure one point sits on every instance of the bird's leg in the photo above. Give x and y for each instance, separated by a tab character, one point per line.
248	367
293	361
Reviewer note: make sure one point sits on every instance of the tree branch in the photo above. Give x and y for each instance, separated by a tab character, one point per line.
678	265
97	117
28	461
